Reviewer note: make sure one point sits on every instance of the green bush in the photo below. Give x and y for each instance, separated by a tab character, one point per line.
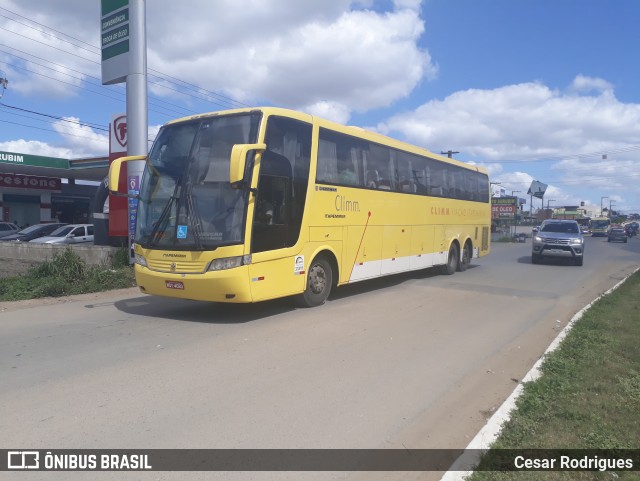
68	274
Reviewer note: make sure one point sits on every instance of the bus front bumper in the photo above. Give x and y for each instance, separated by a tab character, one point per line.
230	285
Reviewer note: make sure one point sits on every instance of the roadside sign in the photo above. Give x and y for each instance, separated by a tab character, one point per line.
114	30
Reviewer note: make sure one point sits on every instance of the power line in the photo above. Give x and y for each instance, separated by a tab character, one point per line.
42	128
76	122
218	97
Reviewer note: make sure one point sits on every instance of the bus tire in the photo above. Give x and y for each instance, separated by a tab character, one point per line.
319	282
452	261
465	260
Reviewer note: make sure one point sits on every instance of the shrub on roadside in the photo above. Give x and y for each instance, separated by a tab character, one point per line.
68	274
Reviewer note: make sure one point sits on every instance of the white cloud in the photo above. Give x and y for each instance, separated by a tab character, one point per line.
35	147
521	121
295	54
583	83
82	139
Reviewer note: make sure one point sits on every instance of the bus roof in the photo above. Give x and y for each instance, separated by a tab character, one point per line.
347	129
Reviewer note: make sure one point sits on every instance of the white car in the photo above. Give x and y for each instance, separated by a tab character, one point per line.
69	234
8	228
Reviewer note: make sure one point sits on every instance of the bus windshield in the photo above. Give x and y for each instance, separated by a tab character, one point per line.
186	200
599	224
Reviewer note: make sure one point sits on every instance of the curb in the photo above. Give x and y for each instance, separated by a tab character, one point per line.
490	431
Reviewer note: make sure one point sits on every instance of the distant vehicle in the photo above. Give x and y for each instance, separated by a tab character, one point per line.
535	229
617	234
68	234
600	226
33	232
585	225
631	228
8	228
558	238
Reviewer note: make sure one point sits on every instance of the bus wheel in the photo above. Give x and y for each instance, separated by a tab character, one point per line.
452	261
319	282
466	258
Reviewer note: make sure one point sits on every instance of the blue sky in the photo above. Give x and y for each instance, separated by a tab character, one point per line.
544	90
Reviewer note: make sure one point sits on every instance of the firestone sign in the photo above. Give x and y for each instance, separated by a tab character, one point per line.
30	182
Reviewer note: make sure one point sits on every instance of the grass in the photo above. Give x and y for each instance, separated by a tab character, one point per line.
68	274
588	396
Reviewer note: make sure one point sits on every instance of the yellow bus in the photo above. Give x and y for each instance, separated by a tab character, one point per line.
600	226
254	204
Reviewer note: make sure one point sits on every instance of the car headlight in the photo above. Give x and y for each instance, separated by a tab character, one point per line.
576	241
141	261
538	238
229	263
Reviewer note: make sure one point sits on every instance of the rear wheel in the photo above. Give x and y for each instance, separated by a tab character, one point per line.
319	282
465	261
452	261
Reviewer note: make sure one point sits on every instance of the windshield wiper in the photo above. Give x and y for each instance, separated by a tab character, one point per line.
164	218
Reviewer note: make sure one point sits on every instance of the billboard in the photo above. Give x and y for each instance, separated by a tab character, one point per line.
537	189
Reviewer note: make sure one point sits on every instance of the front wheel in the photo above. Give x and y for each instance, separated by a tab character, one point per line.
319	282
579	261
452	261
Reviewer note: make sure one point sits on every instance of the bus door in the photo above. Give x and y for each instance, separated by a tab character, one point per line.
279	207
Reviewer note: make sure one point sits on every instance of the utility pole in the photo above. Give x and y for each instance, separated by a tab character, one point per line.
449	153
601	199
4	83
515	215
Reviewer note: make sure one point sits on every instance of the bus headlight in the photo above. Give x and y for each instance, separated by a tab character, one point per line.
229	263
141	261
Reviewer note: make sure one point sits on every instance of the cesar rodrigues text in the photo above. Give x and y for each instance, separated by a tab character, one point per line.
570	463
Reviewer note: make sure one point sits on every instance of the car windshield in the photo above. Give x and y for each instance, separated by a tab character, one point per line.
561	228
30	229
62	231
186	200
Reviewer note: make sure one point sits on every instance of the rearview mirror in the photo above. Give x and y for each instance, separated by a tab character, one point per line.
114	173
238	161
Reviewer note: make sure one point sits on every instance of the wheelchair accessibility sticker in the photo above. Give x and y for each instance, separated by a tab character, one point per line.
182	232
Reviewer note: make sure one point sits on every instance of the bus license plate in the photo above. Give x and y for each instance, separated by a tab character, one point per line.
174	284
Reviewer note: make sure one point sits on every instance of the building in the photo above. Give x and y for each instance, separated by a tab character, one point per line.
35	189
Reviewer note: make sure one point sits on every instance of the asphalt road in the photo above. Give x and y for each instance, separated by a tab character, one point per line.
414	361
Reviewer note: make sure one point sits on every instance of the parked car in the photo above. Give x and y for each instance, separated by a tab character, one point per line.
560	239
617	234
33	232
8	228
68	234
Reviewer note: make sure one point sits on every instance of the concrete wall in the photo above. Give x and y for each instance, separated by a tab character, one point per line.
17	257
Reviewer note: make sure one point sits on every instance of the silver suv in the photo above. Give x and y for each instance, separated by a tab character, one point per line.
558	238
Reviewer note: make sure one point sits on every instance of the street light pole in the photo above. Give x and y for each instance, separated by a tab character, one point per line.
548	202
601	199
515	215
449	153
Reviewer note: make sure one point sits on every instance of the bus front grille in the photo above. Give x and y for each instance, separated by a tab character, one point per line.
180	267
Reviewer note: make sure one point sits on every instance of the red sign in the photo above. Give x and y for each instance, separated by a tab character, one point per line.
30	182
118	225
119	126
503	211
